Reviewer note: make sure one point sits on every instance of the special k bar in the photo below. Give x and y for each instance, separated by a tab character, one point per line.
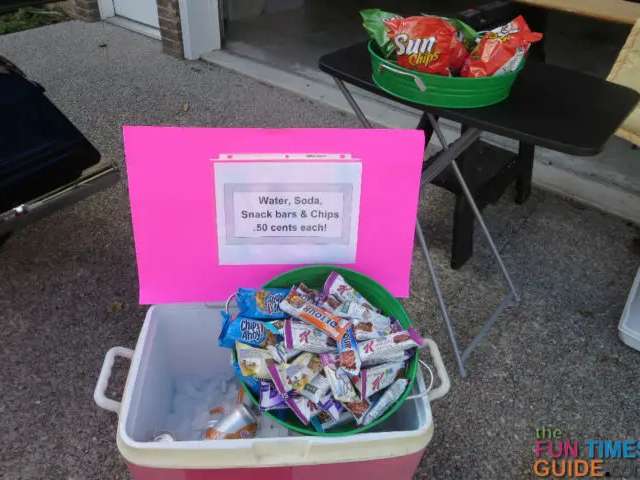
297	307
374	379
304	337
389	348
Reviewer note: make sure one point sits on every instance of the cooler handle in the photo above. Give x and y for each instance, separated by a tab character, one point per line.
103	380
416	79
445	383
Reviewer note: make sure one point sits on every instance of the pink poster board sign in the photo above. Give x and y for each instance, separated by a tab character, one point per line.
217	209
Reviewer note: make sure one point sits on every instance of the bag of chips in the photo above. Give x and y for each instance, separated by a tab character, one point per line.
426	43
373	21
500	50
422	43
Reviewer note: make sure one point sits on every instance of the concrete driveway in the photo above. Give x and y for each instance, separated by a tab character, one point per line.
68	286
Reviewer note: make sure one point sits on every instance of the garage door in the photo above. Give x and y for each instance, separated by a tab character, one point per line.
141	11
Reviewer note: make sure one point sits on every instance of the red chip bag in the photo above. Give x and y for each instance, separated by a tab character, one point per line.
500	50
422	43
458	54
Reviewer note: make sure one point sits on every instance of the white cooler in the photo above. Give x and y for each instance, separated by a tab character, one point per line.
178	340
629	326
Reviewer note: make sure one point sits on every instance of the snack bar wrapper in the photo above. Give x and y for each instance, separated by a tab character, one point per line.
374	379
256	333
389	348
336	285
500	50
251	382
298	307
323	421
306	407
367	323
270	398
304	337
261	303
301	371
387	399
348	356
252	361
316	389
286	391
354	310
281	353
358	409
331	406
341	387
309	294
364	330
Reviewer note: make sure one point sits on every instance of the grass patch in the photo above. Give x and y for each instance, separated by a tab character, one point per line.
26	18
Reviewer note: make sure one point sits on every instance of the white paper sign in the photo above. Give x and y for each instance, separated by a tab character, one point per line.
303	210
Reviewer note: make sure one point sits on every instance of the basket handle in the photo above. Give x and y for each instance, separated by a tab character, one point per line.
445	383
416	79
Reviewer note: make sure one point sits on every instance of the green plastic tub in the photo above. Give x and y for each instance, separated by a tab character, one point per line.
438	90
314	276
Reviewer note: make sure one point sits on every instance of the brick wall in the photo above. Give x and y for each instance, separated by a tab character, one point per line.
169	17
170	28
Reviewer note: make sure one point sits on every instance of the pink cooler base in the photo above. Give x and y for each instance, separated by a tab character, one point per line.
398	468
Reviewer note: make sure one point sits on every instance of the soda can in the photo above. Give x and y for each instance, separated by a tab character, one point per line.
239	423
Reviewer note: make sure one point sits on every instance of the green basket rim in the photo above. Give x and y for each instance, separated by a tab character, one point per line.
412	368
432	103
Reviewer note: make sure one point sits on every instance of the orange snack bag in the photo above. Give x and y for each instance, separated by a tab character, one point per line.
500	50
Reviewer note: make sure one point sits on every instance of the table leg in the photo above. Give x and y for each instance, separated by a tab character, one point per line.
463	219
512	297
476	210
440	298
425	126
356	108
526	153
462	242
445	158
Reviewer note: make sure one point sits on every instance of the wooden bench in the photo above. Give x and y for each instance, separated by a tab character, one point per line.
617	11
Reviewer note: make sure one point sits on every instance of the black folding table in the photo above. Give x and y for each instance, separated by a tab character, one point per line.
550	106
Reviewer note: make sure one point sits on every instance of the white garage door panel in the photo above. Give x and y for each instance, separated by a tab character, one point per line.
143	11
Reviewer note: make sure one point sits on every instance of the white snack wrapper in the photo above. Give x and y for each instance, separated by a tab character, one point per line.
375	379
304	337
252	361
390	395
389	348
341	387
316	389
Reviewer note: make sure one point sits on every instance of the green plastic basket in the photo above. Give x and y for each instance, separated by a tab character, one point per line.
315	276
438	90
